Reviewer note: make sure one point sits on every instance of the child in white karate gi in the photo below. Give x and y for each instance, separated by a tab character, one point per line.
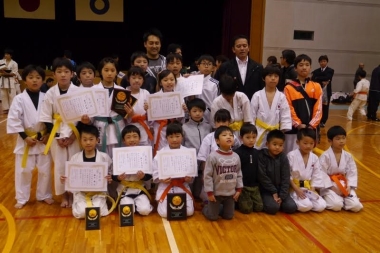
305	173
31	139
340	166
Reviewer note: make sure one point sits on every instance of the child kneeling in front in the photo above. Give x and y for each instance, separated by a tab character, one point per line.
174	136
306	173
341	168
131	188
89	138
274	175
222	178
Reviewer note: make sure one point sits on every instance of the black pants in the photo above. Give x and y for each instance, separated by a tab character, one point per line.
325	111
373	104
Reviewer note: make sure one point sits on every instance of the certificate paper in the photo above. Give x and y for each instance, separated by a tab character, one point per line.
86	176
130	160
101	98
177	163
165	105
191	85
73	106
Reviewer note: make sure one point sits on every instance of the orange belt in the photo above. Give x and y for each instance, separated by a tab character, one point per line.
363	93
163	123
336	179
175	182
141	120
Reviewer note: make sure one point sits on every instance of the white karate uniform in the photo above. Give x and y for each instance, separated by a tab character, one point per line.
141	202
278	113
8	84
312	172
22	117
162	206
360	100
348	168
59	155
138	109
79	198
209	93
241	110
110	131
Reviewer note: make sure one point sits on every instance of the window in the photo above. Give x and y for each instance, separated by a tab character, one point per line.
303	35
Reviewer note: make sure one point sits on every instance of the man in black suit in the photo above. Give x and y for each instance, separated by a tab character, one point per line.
324	76
245	71
374	95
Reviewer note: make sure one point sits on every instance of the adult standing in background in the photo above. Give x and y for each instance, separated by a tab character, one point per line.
8	75
357	79
152	43
324	76
245	71
374	95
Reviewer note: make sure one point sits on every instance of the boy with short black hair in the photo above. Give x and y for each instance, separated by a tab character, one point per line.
341	168
306	174
194	132
196	129
139	59
64	137
324	76
31	139
222	177
131	188
250	199
270	109
86	74
305	101
174	135
89	138
274	175
210	85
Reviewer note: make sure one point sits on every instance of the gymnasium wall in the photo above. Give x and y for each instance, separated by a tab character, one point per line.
347	31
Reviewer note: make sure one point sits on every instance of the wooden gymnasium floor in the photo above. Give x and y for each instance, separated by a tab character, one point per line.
42	228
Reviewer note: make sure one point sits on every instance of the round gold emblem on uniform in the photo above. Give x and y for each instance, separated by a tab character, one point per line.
176	200
121	96
92	213
126	210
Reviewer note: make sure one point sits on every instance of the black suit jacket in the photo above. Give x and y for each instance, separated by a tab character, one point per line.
253	79
319	77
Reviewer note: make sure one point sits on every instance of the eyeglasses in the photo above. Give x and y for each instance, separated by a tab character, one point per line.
208	64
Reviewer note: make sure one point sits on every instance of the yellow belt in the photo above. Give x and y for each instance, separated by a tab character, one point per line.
89	195
236	125
267	128
58	121
134	185
302	183
33	135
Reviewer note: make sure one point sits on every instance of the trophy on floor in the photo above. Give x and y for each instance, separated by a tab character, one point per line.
92	218
126	215
176	206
